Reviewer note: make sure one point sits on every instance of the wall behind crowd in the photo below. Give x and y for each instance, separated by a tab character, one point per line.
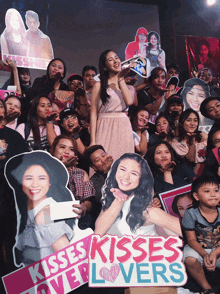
182	18
81	30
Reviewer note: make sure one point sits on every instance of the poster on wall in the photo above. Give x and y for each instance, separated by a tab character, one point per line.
25	42
50	251
202	52
124	250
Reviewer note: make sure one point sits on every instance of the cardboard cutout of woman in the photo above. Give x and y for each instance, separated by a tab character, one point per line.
193	93
127	202
154	53
13	38
38	180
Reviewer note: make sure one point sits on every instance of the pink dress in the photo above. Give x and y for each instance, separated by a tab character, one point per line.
114	131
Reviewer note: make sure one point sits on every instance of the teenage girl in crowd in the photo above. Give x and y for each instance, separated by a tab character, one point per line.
191	142
110	126
167	172
39	132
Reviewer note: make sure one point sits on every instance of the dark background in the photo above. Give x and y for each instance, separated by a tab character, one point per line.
177	19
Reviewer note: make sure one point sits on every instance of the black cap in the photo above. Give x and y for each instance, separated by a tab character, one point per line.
204	103
74	77
174	98
65	112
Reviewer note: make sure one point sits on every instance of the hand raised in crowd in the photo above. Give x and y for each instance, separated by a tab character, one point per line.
107	163
80	92
73	161
162	135
79	210
119	194
168	167
56	77
124	72
12	115
51	117
9	62
156	203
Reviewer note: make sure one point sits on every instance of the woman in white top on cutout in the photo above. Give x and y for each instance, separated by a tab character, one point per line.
126	201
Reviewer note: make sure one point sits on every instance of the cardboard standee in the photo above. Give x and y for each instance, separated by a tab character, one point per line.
5	93
167	198
126	250
53	254
29	48
194	92
134	262
66	269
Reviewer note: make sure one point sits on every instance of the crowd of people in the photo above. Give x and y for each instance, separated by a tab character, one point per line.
122	144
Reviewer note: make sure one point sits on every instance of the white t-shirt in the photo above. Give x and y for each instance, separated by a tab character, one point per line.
137	139
43	135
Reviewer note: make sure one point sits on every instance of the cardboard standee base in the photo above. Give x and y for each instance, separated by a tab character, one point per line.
151	290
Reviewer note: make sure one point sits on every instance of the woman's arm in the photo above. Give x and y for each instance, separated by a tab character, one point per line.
141	148
95	96
126	93
51	134
161	60
43	217
159	217
60	243
141	86
107	218
80	146
12	64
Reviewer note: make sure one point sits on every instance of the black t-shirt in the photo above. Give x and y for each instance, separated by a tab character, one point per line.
182	175
11	143
145	98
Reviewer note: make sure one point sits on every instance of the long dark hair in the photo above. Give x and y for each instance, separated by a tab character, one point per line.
33	119
134	113
205	43
142	194
175	200
151	153
158	41
182	132
104	75
189	84
64	66
21	71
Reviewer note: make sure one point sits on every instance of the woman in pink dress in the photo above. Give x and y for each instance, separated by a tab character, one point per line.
110	126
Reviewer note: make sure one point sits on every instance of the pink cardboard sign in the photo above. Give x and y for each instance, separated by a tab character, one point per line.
63	270
127	262
5	93
167	198
216	153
